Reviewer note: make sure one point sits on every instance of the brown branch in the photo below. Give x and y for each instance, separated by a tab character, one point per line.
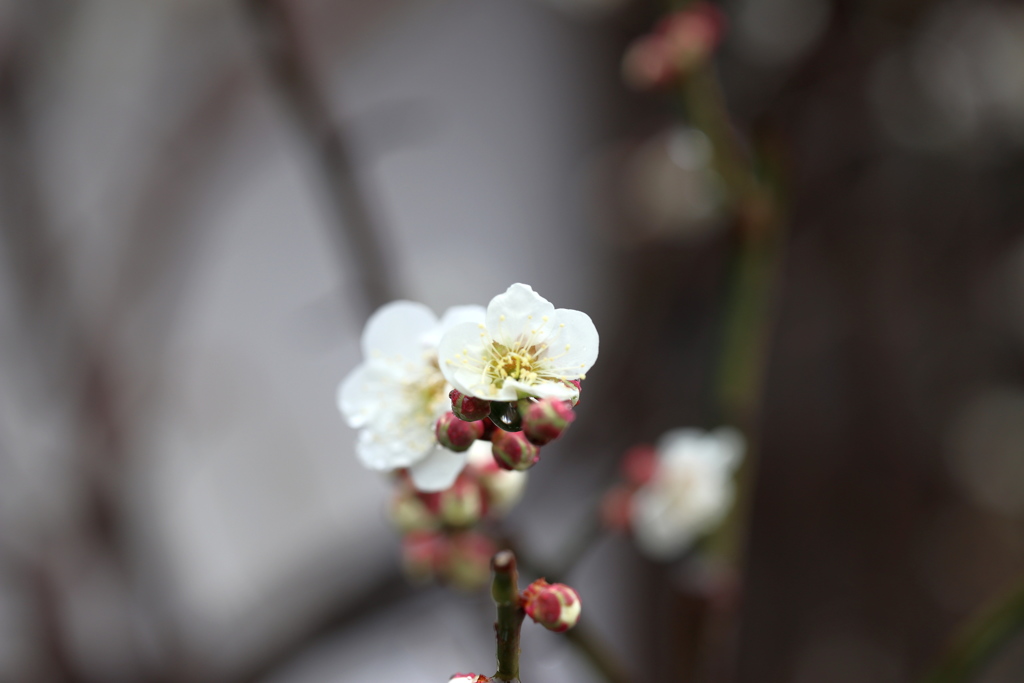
280	47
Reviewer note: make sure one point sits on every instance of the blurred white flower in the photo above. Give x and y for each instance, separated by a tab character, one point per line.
397	394
525	347
689	492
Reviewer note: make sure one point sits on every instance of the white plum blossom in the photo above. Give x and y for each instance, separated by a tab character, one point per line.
396	395
525	347
689	492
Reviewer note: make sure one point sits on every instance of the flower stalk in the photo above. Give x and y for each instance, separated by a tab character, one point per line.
505	592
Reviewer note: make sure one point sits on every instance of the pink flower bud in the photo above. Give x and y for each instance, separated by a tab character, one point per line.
468	561
554	606
456	435
512	451
424	553
648	64
545	420
489	429
410	511
469	678
639	464
469	408
462	504
616	507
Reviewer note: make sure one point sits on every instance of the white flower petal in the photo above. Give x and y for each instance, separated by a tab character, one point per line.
518	313
557	390
574	350
456	315
396	331
460	357
364	393
379	453
439	470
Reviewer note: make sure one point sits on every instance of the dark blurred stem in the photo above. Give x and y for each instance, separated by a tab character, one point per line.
981	639
280	47
505	592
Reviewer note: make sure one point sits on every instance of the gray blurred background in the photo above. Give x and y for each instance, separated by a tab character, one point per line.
184	284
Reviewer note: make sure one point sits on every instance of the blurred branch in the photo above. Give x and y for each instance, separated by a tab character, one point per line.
981	639
280	47
385	590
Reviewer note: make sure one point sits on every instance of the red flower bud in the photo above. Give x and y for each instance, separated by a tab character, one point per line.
512	451
554	606
456	435
639	464
412	511
616	507
545	420
424	553
489	429
462	504
469	678
468	561
469	408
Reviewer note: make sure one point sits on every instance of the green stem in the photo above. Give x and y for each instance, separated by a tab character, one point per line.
981	639
505	592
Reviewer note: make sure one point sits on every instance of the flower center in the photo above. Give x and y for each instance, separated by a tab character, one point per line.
515	363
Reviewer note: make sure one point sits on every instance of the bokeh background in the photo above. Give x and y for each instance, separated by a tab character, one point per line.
202	200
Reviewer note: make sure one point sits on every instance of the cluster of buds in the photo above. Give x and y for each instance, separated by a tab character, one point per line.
680	43
440	542
555	606
456	558
516	430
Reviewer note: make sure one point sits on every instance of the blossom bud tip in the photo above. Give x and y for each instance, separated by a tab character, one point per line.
455	434
554	606
545	420
512	451
468	408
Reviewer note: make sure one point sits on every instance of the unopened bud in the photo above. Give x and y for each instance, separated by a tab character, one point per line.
639	464
455	434
423	554
463	503
512	451
469	678
647	63
411	512
469	408
545	420
554	606
616	508
468	562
